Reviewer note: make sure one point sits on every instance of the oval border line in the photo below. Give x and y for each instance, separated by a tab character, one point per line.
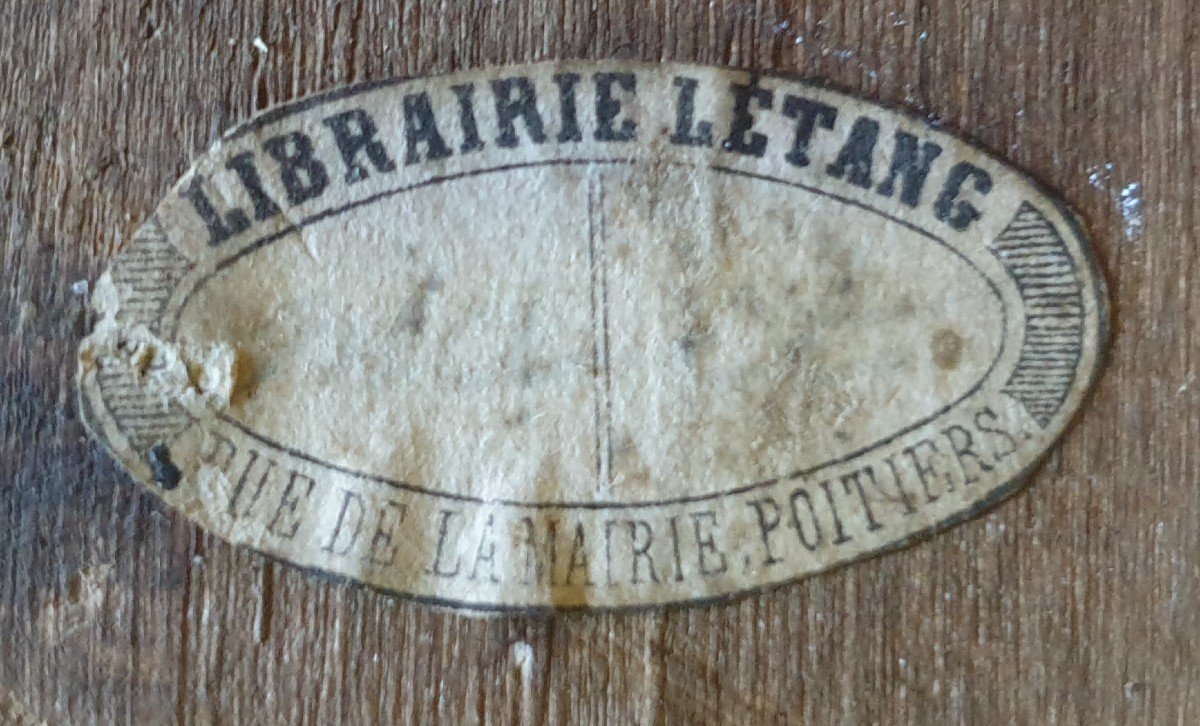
1031	251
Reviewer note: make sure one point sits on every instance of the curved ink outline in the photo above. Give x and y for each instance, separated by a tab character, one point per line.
281	233
1081	247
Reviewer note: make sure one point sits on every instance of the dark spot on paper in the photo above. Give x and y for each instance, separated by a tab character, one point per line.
596	372
245	378
416	316
688	345
145	360
166	474
947	347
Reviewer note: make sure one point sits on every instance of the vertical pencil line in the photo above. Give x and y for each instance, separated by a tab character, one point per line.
601	371
603	256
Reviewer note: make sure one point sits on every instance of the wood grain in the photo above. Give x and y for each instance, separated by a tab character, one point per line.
1078	601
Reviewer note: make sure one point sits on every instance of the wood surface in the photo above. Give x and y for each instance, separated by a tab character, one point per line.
1077	601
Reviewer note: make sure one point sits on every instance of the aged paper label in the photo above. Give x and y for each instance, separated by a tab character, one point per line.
590	335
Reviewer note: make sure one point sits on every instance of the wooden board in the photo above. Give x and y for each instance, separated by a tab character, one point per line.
1076	601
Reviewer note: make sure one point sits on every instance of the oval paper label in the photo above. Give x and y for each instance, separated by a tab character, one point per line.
590	334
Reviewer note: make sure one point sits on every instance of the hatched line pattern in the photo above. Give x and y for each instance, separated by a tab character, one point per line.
1040	264
144	275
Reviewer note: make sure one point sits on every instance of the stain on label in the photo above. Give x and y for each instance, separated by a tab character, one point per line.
590	335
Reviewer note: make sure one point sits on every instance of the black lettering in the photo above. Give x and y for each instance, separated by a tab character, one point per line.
220	228
959	213
706	544
570	118
963	446
486	552
303	177
1000	454
241	485
677	556
391	515
288	503
810	115
466	118
810	542
552	546
688	132
742	139
853	162
515	98
912	161
925	469
608	107
243	166
768	522
897	479
439	567
579	558
420	127
348	498
855	478
839	532
531	564
354	133
209	456
641	549
608	527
